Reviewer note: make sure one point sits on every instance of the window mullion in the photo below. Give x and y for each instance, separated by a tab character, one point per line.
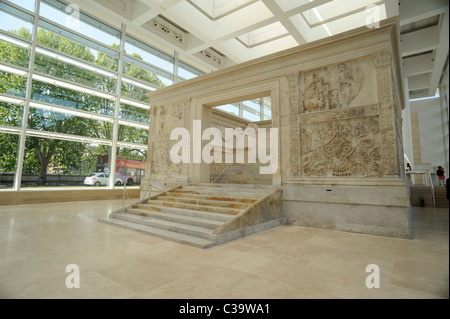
175	67
112	173
26	108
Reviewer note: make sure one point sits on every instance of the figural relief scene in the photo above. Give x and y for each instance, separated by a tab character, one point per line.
165	119
332	87
336	138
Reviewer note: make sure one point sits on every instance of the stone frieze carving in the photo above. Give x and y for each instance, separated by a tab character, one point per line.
168	117
388	116
332	87
342	114
161	163
294	147
345	147
382	58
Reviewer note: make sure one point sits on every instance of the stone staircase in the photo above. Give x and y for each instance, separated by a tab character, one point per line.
204	215
243	174
440	197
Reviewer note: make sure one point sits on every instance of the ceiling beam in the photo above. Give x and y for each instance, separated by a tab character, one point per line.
270	20
420	81
203	40
392	8
441	53
155	10
284	19
418	64
420	41
415	10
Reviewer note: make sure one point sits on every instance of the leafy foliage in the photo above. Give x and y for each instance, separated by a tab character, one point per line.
71	157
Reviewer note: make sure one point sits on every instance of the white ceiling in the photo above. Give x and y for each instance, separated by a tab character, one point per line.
220	33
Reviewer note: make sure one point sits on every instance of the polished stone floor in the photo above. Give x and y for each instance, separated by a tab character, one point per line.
38	241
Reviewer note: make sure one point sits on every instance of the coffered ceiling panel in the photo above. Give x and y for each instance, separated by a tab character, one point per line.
220	33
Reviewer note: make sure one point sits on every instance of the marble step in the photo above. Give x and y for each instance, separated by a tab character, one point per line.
217	192
215	209
243	181
161	233
189	220
243	171
243	174
257	188
230	192
185	212
208	202
207	197
442	204
179	227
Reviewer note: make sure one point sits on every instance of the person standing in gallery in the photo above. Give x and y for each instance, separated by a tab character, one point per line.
447	186
441	175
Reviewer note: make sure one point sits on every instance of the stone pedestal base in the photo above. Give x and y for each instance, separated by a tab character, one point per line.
378	210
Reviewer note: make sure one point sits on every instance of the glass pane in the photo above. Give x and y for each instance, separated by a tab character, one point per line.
16	22
75	20
253	105
9	146
333	9
133	113
187	72
49	121
250	116
130	165
53	94
134	92
229	108
70	72
12	84
145	75
58	163
11	115
13	54
132	135
267	107
26	4
76	49
149	54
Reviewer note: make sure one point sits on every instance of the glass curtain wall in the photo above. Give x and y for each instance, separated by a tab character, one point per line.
72	97
252	110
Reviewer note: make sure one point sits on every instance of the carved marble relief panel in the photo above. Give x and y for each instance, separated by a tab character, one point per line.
294	143
167	118
332	87
161	163
342	147
163	119
388	115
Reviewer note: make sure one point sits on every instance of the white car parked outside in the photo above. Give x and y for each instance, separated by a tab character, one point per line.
100	179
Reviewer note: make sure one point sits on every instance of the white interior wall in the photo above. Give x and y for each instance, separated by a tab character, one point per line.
406	128
432	140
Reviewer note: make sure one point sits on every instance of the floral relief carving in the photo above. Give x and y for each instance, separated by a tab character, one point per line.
347	147
332	87
294	147
161	163
168	117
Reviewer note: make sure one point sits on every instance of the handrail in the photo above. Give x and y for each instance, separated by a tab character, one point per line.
123	195
217	177
144	199
432	188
